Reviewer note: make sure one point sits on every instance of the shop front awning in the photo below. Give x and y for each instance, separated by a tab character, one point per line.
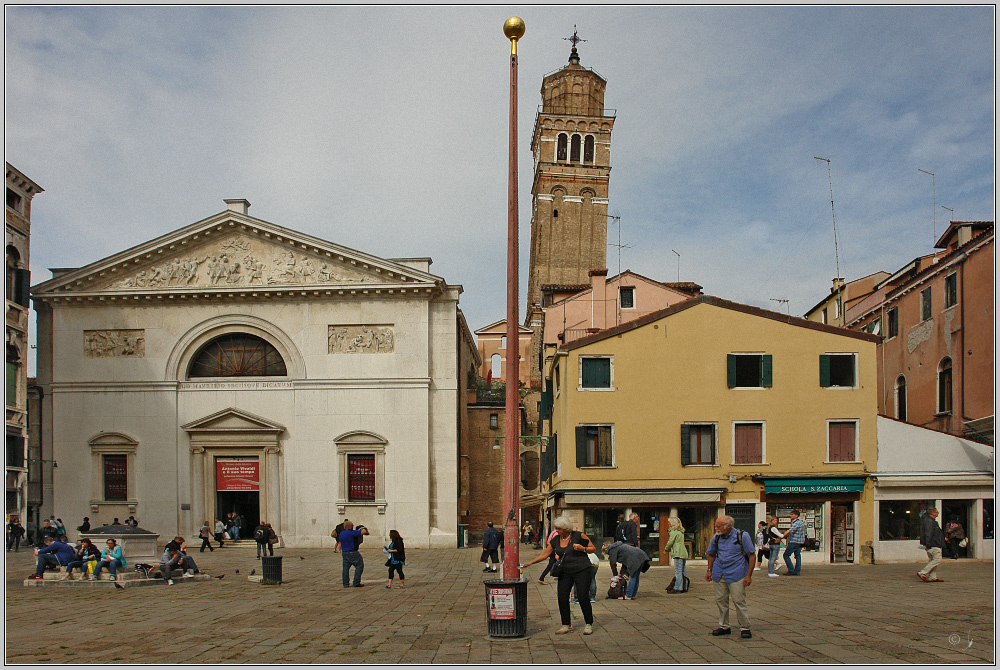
643	497
815	485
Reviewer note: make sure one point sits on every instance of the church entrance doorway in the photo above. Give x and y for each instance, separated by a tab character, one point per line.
237	483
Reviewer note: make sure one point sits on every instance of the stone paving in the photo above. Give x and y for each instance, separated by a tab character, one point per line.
830	614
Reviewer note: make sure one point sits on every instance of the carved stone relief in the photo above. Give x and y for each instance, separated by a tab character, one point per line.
360	339
242	261
109	343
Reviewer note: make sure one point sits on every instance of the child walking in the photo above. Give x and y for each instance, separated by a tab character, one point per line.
397	558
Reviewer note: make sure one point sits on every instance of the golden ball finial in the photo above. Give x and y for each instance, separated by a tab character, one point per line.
513	28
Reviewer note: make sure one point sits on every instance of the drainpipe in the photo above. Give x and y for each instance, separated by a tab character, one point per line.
961	311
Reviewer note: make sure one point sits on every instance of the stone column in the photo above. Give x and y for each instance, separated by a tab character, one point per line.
198	484
273	491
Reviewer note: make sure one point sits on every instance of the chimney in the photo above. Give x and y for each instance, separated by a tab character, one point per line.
239	206
598	298
838	283
964	235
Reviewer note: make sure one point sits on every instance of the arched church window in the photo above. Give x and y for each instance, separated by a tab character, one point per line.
561	147
588	149
574	150
238	355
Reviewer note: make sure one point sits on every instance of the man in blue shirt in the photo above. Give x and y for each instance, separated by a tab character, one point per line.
731	560
796	535
349	550
52	555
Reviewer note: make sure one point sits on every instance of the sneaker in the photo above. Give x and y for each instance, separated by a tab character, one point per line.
756	569
745	634
574	601
588	629
721	631
64	577
34	576
170	582
113	578
773	574
564	629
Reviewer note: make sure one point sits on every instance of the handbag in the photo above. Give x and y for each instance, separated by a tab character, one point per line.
556	570
964	542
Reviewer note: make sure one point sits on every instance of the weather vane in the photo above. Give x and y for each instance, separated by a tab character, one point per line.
575	39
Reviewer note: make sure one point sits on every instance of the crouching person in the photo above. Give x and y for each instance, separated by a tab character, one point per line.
175	557
52	554
84	555
113	558
632	560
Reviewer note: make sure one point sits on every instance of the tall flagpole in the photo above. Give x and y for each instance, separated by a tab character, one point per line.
513	29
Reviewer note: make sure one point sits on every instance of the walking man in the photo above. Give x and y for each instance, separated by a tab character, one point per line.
796	535
349	541
491	542
731	560
932	539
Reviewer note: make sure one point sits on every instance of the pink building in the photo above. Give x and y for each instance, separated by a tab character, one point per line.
492	344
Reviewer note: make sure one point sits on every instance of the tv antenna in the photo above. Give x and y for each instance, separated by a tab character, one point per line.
678	266
836	250
781	301
952	214
618	220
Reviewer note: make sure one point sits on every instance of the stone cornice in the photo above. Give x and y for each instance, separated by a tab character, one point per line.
384	291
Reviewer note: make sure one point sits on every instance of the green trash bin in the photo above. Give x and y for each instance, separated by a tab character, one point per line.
507	607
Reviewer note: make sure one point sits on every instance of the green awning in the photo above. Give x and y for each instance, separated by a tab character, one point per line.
815	485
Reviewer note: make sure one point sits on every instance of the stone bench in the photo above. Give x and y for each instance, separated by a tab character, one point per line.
127	578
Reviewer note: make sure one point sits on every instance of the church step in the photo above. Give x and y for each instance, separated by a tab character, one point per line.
135	579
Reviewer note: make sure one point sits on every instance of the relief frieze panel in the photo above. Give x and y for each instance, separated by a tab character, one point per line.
114	343
363	339
241	261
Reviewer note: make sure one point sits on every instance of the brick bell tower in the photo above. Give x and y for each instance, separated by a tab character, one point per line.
571	146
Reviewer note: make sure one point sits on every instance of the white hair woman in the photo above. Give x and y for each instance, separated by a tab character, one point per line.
571	547
678	554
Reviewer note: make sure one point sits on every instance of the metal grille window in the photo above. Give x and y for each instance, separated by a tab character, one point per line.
238	355
115	477
361	477
627	297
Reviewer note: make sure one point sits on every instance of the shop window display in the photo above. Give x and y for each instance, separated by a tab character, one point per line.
900	519
699	526
810	513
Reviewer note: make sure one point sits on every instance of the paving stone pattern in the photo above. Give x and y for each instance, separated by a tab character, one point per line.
829	614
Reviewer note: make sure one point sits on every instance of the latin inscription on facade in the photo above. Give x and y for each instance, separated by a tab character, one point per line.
242	261
360	339
112	343
233	386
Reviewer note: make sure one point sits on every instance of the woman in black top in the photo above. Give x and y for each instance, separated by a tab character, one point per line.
571	547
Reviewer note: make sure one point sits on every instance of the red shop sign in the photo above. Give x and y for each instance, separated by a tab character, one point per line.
237	476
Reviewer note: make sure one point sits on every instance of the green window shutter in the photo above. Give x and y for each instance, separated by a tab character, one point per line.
581	446
587	373
854	370
730	370
685	444
596	373
765	370
11	384
604	373
545	412
22	286
824	370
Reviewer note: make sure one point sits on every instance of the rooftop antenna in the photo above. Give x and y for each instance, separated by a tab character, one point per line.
780	301
618	220
933	200
836	250
678	266
950	210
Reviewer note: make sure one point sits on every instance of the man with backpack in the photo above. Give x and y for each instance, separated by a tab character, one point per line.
731	560
260	535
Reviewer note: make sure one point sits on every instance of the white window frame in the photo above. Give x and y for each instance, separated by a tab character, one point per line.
752	388
361	443
113	444
854	355
857	440
611	374
613	454
715	437
763	442
622	306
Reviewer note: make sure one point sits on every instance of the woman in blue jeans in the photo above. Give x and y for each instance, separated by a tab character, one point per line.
113	558
678	554
773	545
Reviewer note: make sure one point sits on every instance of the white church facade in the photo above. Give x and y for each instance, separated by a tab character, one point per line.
236	365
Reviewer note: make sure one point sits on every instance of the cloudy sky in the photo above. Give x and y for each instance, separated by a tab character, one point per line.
385	130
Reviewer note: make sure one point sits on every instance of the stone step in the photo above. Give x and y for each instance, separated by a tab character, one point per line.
133	581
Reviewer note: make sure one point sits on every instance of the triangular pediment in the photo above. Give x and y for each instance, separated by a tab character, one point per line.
232	251
233	420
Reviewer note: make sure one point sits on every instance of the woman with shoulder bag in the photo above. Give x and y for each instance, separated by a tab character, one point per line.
573	568
774	536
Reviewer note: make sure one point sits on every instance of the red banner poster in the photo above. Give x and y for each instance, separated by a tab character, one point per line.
237	476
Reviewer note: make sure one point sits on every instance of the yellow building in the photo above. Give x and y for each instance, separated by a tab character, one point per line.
710	407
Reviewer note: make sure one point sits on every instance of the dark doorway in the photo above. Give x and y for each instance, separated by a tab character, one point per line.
955	512
244	503
649	532
743	518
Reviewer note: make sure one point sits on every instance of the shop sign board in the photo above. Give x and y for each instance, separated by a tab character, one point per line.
237	475
814	486
501	602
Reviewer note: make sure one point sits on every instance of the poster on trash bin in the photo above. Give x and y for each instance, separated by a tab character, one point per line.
501	603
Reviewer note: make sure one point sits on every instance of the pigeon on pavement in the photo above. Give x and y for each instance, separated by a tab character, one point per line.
254	571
